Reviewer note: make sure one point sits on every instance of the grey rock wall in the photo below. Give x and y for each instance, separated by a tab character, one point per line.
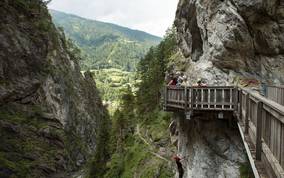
225	39
209	148
226	42
49	112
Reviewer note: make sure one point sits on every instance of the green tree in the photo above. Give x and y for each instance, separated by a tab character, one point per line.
142	111
102	153
124	118
152	70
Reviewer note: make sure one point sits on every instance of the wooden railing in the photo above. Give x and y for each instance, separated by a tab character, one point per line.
200	98
276	93
263	123
176	97
261	120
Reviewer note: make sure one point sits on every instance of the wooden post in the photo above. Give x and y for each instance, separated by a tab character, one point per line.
215	98
236	94
202	97
186	99
231	97
247	114
223	98
209	98
241	105
259	131
192	98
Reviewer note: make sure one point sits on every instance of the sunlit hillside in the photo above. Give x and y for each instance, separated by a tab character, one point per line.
105	45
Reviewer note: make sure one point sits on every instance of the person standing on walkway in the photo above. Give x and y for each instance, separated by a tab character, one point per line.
173	81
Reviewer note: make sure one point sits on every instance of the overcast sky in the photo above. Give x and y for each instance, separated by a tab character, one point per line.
152	16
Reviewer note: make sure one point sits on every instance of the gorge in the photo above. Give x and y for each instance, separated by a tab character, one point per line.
54	122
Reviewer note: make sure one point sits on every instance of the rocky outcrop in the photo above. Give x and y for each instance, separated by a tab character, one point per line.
50	113
209	148
231	39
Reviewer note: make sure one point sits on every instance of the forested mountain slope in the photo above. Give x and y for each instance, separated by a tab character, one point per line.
106	45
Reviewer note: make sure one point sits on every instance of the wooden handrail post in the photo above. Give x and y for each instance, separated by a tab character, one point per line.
192	97
186	99
236	93
223	98
259	131
247	114
241	104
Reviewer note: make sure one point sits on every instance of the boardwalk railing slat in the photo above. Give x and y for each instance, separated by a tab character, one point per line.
276	93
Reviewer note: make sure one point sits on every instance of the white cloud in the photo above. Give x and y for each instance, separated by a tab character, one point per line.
153	16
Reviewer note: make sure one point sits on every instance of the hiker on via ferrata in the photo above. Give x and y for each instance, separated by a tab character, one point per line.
179	165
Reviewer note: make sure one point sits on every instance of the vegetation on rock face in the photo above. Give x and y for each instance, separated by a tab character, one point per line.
105	45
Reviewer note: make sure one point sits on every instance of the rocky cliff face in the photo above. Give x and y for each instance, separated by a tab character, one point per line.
225	42
232	39
49	112
209	148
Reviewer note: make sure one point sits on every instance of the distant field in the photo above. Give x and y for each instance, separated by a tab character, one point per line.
111	82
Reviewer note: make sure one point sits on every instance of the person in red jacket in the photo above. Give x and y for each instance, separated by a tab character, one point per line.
179	165
173	81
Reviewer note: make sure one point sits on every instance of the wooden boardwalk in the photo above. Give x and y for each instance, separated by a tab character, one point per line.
260	120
